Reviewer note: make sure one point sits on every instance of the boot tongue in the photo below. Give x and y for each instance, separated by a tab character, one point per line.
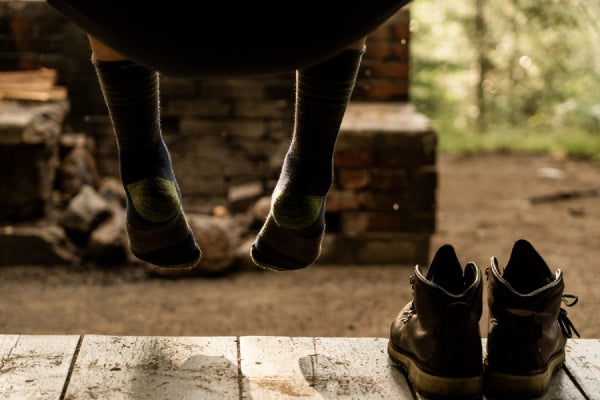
445	270
526	270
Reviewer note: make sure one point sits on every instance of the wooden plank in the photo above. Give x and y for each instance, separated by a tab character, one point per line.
35	85
35	366
149	367
55	93
36	79
7	342
357	368
277	368
583	364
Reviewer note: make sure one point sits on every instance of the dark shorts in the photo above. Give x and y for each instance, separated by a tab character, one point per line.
224	37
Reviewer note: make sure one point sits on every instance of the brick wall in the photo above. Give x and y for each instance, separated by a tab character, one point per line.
221	132
382	205
229	132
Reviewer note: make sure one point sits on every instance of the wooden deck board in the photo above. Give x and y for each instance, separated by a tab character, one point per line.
357	368
277	367
248	367
148	367
34	367
583	364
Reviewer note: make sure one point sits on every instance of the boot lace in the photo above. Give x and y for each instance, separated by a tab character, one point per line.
407	314
565	323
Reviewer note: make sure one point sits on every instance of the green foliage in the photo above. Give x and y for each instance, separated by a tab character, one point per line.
537	65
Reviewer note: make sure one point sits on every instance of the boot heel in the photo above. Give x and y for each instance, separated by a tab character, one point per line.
498	383
437	387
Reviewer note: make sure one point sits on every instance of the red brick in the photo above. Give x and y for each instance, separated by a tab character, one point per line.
347	200
379	50
384	32
401	50
366	221
353	158
420	179
385	90
404	160
389	69
401	30
424	178
404	201
353	178
392	179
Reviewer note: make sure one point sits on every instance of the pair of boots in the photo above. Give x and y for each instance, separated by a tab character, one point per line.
435	339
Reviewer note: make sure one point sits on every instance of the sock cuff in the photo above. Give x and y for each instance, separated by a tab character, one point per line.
124	81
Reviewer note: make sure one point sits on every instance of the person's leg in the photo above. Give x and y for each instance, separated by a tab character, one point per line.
156	225
291	236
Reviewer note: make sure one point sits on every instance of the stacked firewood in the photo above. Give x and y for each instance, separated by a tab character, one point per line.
37	85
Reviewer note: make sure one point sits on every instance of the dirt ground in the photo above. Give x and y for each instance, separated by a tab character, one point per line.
483	207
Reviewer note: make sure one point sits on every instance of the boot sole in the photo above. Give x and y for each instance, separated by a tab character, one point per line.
522	385
187	266
267	266
433	386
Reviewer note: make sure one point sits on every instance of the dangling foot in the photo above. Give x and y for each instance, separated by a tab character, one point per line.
291	236
156	225
157	229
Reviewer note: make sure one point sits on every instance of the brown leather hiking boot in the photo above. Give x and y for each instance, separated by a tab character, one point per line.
527	328
435	338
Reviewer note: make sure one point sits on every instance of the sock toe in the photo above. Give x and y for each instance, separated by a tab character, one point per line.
166	245
181	255
281	249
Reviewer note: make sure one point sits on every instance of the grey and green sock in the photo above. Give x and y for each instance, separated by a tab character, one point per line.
291	236
156	225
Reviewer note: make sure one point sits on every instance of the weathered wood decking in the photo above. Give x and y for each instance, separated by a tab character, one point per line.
247	367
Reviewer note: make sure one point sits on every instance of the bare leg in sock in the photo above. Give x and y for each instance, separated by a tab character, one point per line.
291	237
158	231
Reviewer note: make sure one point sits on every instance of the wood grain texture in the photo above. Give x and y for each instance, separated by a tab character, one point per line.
357	368
583	364
150	367
34	366
277	367
249	367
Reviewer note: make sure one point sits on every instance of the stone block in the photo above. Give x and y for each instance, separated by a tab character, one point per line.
241	197
29	143
246	128
181	107
277	109
84	213
348	200
354	158
423	178
172	86
373	120
233	88
375	248
356	222
108	243
35	245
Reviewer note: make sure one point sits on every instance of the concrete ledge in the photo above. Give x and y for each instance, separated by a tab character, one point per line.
247	367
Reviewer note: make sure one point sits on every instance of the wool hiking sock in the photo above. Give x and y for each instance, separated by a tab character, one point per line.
156	225
291	236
